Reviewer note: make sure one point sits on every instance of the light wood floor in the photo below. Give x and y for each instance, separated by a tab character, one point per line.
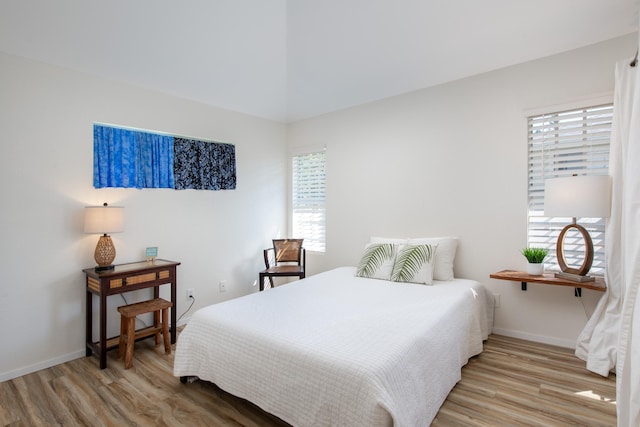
512	383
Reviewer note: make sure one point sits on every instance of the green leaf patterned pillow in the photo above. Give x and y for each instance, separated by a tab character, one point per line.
377	261
414	264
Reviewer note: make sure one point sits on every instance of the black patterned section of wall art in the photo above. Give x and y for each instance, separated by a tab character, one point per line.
203	165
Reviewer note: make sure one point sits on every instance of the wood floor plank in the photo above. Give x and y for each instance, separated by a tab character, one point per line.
586	399
496	410
513	382
535	384
44	407
12	409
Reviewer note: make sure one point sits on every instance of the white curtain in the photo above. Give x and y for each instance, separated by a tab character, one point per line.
611	338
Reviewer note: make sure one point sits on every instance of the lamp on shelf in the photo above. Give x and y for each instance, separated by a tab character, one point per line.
577	196
103	220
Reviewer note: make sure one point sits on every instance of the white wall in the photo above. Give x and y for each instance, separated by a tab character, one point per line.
46	134
452	161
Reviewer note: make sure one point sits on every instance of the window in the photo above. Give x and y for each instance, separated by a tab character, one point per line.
308	199
562	144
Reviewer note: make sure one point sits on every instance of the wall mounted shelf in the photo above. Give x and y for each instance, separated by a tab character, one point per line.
548	279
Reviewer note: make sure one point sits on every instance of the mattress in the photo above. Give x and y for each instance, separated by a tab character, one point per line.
339	350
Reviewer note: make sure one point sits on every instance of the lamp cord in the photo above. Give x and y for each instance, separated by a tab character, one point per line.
193	300
584	307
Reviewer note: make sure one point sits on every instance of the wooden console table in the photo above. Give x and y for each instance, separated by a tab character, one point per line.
548	279
125	278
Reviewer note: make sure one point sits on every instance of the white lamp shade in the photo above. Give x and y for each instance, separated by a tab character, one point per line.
578	196
103	219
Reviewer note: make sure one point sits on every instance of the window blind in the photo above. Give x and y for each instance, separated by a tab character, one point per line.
308	199
563	144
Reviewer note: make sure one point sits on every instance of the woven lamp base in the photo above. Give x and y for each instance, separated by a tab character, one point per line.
105	253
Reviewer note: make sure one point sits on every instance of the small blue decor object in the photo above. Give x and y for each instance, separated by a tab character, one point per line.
152	251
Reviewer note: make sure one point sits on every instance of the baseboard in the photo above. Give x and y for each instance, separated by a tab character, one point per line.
6	376
543	339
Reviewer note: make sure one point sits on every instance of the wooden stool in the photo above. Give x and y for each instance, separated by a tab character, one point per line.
128	333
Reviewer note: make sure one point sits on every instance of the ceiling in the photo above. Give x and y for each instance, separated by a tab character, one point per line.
287	60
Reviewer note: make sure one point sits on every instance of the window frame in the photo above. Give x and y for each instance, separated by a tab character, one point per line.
543	231
310	244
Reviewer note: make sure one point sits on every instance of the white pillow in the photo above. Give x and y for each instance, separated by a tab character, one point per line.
388	240
414	264
445	255
377	261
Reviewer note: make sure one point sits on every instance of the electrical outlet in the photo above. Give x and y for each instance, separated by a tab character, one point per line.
223	286
189	293
496	298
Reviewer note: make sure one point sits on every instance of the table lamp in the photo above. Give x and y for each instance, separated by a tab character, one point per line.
103	220
577	196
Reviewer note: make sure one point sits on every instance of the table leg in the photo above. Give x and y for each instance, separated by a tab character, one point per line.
103	330
174	309
89	324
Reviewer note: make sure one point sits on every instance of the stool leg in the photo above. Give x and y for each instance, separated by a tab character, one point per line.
156	324
165	331
123	334
131	335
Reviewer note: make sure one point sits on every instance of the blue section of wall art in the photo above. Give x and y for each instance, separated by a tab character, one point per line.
129	158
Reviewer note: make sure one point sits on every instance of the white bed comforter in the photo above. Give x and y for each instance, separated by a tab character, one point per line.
338	350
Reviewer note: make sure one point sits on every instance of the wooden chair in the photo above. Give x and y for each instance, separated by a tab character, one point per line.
287	257
128	333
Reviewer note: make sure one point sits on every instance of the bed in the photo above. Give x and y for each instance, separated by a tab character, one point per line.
340	350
